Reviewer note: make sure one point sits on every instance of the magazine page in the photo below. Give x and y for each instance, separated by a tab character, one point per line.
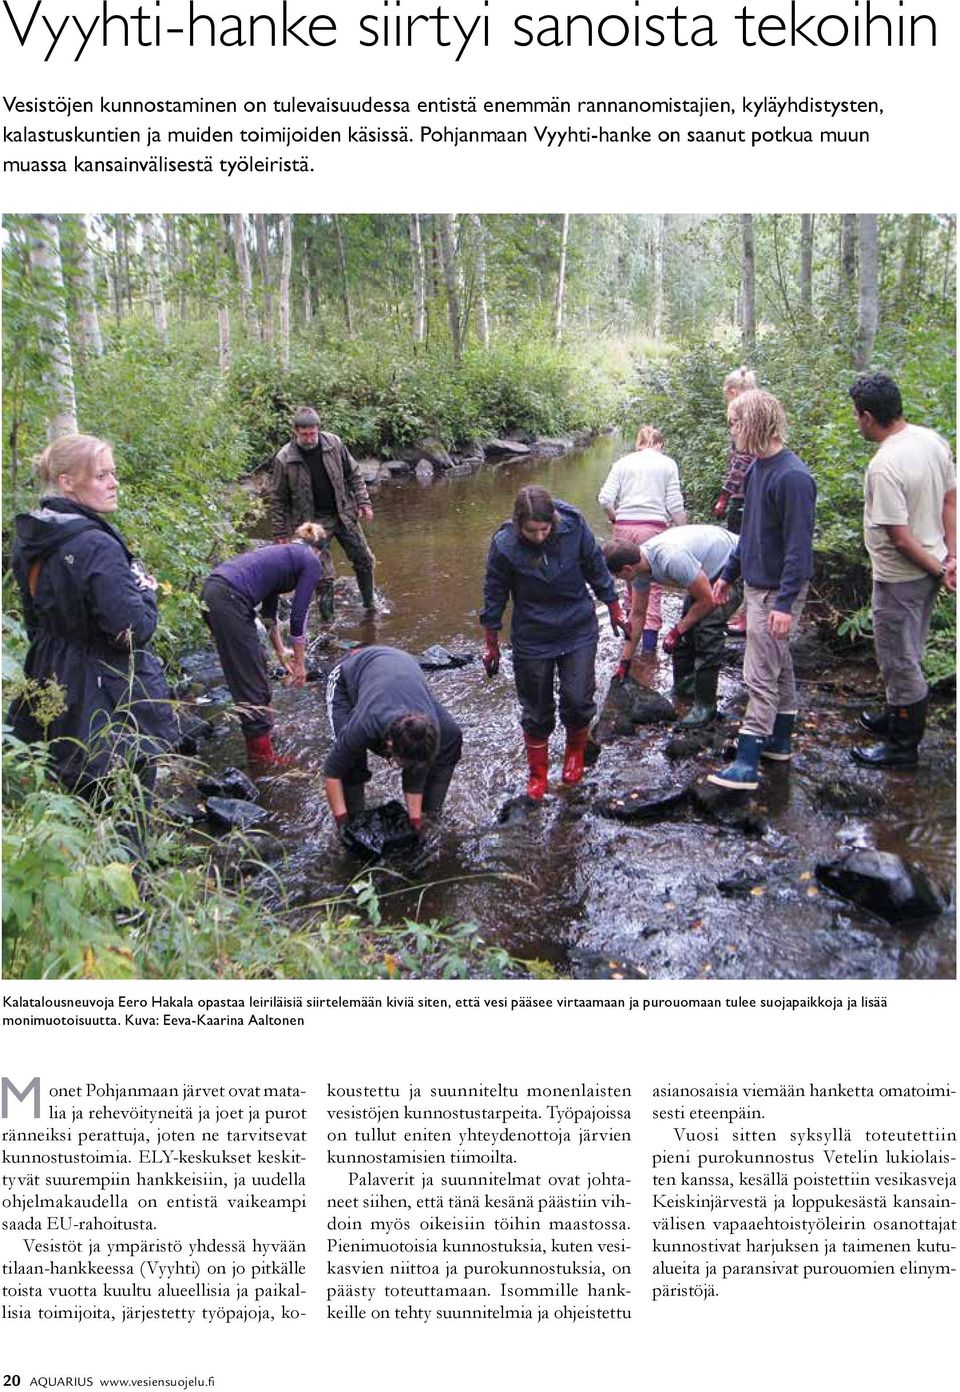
479	773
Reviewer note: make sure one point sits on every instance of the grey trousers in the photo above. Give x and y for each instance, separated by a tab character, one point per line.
901	622
767	664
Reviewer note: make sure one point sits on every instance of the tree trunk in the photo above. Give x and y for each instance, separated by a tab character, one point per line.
483	315
749	286
806	262
183	266
89	316
560	298
307	297
54	336
223	298
419	280
910	278
659	254
118	266
286	264
868	310
448	263
263	256
848	252
151	255
243	269
344	280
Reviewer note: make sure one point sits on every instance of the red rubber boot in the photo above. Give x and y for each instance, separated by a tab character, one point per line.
537	764
573	756
261	753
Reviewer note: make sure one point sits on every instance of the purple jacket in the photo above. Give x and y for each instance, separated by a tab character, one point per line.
262	576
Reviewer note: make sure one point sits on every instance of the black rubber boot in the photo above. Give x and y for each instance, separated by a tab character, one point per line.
899	749
365	582
684	681
876	721
704	708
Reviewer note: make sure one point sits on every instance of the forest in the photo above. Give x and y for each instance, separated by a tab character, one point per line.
188	341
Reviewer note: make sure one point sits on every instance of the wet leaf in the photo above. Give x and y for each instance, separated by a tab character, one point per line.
390	962
812	892
757	891
806	875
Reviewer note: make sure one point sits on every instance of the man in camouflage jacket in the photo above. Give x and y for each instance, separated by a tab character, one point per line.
315	479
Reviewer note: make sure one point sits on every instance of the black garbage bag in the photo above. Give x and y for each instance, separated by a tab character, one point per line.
440	659
379	831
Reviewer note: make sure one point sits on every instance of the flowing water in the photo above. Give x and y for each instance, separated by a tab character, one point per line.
592	896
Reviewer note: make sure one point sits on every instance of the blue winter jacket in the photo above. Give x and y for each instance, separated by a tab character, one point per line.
553	611
90	618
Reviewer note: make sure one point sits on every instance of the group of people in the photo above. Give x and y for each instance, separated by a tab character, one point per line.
90	607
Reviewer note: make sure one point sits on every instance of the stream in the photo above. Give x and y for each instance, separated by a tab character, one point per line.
596	897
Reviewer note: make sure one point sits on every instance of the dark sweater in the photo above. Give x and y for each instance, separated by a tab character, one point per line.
262	576
377	684
775	550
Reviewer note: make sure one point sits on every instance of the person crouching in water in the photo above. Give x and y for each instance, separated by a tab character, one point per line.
378	702
688	558
544	559
230	597
775	555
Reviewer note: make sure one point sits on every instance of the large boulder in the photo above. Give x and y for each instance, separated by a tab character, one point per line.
236	814
229	783
883	884
506	447
640	804
627	705
440	659
544	445
371	471
429	451
379	831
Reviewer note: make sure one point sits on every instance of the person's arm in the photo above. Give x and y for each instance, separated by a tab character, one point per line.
638	614
913	550
674	497
950	537
610	493
496	588
728	576
333	788
703	603
125	613
279	499
594	567
354	478
309	570
797	502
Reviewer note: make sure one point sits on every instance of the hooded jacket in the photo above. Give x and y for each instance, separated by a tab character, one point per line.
292	487
553	612
89	618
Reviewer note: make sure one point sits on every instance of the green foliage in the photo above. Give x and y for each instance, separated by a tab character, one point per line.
380	398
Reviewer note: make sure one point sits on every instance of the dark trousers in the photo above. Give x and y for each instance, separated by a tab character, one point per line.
701	647
576	674
358	553
439	773
232	621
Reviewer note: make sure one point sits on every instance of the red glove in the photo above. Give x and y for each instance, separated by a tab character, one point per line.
416	823
622	670
720	506
491	652
617	621
341	818
672	639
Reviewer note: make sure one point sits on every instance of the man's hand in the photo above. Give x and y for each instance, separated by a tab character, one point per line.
721	591
950	574
617	621
491	652
720	506
779	624
672	639
366	514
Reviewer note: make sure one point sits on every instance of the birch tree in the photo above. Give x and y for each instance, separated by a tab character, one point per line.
558	304
243	270
151	256
47	269
286	265
868	304
89	316
483	315
448	264
263	257
749	285
344	279
807	226
419	280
